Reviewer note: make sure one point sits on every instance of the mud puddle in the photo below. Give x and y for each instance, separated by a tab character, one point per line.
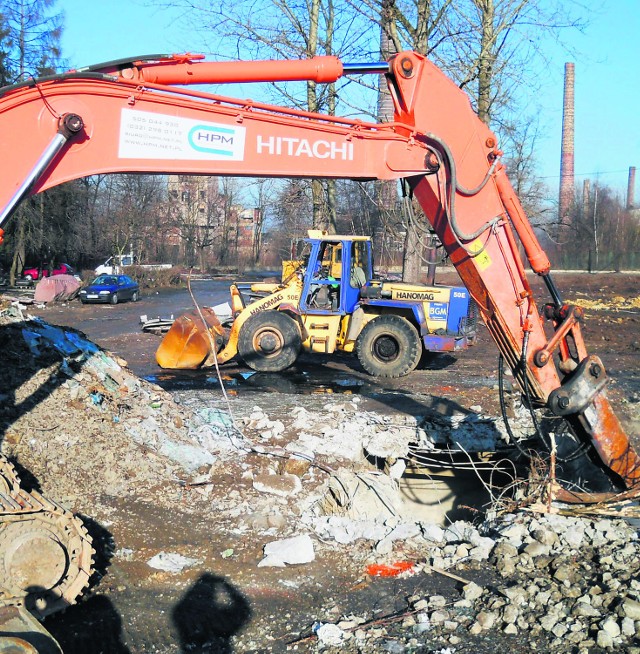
291	383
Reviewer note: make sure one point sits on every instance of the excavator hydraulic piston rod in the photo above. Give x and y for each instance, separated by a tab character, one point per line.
69	126
370	68
553	289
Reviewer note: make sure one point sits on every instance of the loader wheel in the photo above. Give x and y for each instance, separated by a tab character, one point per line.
269	341
389	346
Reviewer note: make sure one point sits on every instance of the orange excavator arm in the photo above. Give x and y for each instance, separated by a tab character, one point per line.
135	116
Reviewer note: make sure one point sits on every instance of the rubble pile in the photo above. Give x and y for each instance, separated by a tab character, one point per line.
315	484
83	424
569	584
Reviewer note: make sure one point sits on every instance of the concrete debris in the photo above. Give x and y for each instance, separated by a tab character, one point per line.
267	429
116	434
290	551
171	562
345	530
402	532
214	430
396	470
364	495
389	444
330	634
283	485
343	432
579	597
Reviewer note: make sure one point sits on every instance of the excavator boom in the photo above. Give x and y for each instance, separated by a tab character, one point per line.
132	116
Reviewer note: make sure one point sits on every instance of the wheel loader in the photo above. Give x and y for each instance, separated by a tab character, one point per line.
330	302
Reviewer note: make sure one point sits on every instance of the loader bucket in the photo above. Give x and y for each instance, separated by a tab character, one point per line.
186	345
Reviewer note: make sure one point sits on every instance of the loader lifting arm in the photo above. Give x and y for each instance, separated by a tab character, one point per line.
131	116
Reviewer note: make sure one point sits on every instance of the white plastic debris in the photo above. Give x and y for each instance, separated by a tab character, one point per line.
171	562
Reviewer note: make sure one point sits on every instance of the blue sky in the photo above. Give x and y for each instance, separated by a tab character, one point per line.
606	58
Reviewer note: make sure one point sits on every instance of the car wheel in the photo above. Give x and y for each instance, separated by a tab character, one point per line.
135	297
114	298
269	341
389	346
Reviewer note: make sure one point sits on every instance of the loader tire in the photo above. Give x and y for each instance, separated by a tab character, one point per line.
389	346
270	341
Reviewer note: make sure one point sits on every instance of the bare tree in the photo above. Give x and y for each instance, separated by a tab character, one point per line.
603	234
133	201
30	31
227	237
33	29
420	26
498	42
286	29
291	216
262	192
487	46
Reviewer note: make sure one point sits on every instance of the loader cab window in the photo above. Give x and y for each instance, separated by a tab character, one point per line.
324	290
359	273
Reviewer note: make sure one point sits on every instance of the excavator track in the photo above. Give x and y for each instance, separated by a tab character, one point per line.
46	556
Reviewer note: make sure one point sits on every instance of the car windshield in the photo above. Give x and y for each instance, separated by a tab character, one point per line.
104	280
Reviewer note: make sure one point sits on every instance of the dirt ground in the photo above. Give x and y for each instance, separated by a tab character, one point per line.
223	602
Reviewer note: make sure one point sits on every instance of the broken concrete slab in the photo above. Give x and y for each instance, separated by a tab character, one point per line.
290	551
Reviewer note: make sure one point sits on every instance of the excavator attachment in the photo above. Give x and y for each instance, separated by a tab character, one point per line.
190	340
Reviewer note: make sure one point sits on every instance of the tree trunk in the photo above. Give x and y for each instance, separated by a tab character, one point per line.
412	261
17	263
332	220
486	59
387	194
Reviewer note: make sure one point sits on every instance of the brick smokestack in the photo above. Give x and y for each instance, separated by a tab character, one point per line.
631	188
567	153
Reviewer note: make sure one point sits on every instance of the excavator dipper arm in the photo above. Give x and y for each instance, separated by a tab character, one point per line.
131	116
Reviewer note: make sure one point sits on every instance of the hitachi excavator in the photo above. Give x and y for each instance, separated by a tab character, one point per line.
137	115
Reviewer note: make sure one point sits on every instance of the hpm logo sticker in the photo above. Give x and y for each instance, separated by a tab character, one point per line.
213	140
150	135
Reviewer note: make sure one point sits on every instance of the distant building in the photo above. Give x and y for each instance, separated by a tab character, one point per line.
206	230
196	216
248	225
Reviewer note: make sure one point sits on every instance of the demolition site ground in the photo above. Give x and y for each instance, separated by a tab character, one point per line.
180	507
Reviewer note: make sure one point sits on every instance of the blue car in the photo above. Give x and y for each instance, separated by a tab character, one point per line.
110	288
